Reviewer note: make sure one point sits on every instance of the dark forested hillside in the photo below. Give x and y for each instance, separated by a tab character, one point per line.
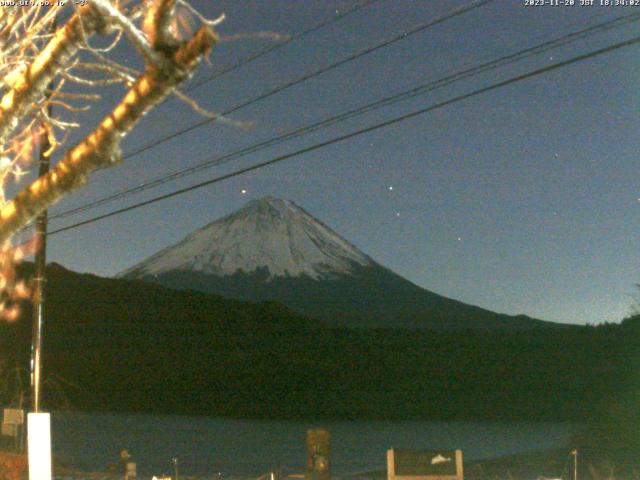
134	346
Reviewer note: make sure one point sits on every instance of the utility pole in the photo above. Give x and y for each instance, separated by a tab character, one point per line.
39	424
39	283
575	464
40	260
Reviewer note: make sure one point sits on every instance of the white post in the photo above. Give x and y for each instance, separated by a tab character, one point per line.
39	446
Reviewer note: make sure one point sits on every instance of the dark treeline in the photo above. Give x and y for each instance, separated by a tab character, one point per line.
117	345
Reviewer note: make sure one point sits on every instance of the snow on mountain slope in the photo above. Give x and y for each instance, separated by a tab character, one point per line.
269	233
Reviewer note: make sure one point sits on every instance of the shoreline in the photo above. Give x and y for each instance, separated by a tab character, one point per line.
545	464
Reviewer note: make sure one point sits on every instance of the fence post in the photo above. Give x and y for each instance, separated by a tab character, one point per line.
318	454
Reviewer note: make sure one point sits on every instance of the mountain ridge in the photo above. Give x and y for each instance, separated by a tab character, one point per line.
272	249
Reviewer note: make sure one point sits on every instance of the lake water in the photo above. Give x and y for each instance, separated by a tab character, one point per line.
206	446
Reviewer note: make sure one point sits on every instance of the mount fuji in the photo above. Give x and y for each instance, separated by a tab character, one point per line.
273	250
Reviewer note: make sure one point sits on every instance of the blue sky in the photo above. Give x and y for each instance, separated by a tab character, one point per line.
522	200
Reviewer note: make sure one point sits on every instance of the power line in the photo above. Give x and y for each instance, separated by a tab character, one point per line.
368	129
254	56
452	14
402	96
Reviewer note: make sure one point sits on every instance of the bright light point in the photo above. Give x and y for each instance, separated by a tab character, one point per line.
398	214
459	239
390	188
243	191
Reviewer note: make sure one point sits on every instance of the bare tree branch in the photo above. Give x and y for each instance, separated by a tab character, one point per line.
102	147
136	37
30	84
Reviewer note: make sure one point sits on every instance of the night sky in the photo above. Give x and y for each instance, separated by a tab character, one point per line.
525	199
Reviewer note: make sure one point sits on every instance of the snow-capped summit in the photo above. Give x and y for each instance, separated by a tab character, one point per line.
269	233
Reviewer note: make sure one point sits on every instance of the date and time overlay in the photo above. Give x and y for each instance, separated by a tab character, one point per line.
43	3
526	3
581	3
